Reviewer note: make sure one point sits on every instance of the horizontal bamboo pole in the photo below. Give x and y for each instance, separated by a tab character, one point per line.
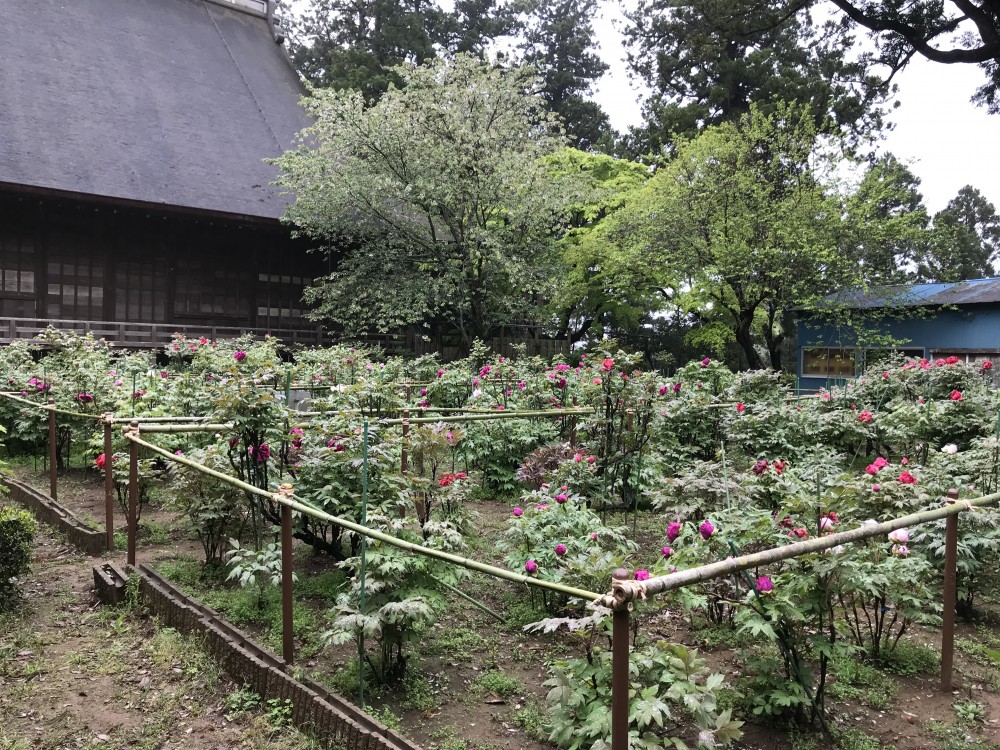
46	407
156	420
368	532
625	592
493	415
202	427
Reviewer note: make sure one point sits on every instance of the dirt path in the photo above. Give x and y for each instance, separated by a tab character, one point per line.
74	674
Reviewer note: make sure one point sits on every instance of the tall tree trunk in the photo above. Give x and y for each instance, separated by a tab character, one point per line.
745	339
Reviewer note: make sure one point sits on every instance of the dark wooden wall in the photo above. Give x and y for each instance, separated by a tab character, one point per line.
92	260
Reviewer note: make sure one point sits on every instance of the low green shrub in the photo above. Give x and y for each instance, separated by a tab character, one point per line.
17	533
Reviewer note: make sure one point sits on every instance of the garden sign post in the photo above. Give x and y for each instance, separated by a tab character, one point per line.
109	484
52	448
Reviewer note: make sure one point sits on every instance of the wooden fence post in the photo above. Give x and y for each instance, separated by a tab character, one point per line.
950	595
133	492
53	448
620	670
109	484
287	642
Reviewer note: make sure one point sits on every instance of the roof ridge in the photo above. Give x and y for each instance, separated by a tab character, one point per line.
253	7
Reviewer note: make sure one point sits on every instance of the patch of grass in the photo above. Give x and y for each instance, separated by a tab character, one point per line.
862	683
911	658
532	721
850	738
521	611
952	737
156	532
496	681
458	643
723	636
240	702
386	716
325	586
417	692
445	738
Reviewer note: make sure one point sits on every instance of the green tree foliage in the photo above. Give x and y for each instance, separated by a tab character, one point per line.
965	240
739	227
592	298
439	188
886	225
559	41
355	44
706	61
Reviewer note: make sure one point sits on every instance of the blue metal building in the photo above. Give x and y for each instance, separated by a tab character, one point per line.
955	319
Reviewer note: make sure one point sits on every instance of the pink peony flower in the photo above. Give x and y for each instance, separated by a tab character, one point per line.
876	488
239	356
666	552
642	575
591	459
531	566
907	478
607	364
518	512
900	536
706	362
955	396
673	531
677	387
764	585
740	407
707	530
561	498
578	458
560	550
866	416
900	549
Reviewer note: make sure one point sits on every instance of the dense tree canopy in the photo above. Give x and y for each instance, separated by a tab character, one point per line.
965	240
558	41
439	190
707	61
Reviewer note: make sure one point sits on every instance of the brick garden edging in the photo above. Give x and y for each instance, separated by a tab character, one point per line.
88	539
315	709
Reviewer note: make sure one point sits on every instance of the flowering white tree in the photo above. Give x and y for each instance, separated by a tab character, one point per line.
432	202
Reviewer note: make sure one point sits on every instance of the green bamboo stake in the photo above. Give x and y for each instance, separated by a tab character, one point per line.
364	565
725	477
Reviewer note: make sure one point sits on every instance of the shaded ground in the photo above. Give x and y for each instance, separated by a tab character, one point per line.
477	685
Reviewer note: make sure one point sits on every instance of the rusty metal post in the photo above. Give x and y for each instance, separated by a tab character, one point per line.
950	596
133	491
53	448
619	671
109	485
287	642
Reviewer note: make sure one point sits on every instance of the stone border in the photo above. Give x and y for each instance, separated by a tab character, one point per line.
49	511
315	709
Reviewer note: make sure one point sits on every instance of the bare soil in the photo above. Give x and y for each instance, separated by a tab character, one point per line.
72	675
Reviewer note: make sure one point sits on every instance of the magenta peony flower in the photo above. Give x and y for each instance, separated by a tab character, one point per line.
764	585
707	530
673	531
560	550
876	488
706	362
677	387
666	552
561	498
518	512
642	575
531	566
239	356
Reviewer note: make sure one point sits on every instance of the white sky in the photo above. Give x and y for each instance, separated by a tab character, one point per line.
947	141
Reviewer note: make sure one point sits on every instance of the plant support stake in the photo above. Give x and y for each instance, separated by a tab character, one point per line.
109	484
287	642
52	448
364	564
